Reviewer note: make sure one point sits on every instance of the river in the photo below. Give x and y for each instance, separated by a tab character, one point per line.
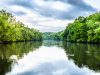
49	58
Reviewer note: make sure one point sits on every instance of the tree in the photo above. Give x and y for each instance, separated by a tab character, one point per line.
84	29
12	30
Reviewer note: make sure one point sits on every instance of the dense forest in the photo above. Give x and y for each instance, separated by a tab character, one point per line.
12	30
84	29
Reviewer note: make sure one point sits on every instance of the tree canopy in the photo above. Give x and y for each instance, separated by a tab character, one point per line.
84	29
12	30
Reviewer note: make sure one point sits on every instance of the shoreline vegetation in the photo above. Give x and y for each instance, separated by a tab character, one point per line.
52	36
15	31
82	30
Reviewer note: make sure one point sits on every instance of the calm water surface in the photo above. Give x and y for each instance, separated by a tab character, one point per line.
49	58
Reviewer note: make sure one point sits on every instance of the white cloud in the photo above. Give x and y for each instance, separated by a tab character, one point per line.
43	14
94	3
35	20
39	2
60	6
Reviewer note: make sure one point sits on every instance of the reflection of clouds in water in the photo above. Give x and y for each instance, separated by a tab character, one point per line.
48	61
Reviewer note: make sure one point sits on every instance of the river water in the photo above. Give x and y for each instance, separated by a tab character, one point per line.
49	58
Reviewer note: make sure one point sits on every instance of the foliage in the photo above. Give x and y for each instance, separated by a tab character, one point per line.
84	29
12	30
52	36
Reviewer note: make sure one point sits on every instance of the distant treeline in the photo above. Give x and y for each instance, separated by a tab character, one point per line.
12	30
84	29
52	36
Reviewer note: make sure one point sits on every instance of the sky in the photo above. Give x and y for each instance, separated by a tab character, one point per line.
49	15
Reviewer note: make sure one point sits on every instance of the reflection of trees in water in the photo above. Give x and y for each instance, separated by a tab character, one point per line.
5	66
18	49
52	43
84	54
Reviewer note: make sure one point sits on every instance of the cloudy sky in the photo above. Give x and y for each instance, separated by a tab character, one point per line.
49	15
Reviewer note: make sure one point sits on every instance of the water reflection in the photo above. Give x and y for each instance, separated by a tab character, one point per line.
43	61
87	55
9	53
52	58
52	43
